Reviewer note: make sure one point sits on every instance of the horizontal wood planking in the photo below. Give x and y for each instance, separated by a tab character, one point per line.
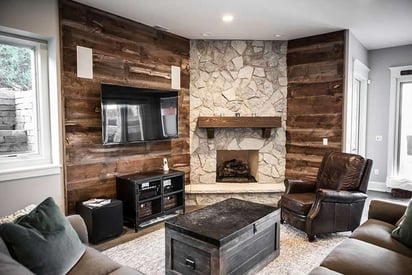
315	120
315	101
124	53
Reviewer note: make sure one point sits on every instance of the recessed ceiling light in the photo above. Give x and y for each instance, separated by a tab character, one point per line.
206	34
277	35
227	18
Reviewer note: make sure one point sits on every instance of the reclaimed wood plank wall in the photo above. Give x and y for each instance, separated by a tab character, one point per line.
316	68
124	53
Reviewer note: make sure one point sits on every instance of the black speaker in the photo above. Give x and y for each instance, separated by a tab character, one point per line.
103	222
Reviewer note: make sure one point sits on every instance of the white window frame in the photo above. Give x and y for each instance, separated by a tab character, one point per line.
392	179
361	73
40	163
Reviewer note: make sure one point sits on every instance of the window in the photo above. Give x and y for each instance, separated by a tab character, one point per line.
356	110
24	104
400	129
404	150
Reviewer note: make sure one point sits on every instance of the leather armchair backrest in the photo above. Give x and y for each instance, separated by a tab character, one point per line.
340	171
365	176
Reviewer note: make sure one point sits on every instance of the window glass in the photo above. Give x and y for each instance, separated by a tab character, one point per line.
18	119
405	131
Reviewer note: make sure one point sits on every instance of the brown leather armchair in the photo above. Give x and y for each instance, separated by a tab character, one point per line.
333	203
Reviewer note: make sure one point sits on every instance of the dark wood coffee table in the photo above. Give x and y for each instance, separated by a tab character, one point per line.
229	237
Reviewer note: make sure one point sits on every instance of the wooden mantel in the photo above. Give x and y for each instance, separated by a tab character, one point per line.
266	123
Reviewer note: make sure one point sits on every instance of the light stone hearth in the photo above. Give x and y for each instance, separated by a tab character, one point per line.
246	77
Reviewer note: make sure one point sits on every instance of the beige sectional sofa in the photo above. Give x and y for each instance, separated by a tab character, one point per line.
92	261
371	248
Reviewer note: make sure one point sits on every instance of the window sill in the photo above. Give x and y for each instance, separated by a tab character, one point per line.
399	182
30	172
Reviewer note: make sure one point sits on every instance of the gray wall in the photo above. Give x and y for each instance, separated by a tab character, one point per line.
378	103
39	19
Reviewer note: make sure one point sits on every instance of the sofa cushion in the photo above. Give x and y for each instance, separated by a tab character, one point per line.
43	240
379	233
94	262
125	270
10	267
298	202
403	232
358	257
321	270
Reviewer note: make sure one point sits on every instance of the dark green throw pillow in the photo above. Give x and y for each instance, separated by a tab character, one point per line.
403	232
43	240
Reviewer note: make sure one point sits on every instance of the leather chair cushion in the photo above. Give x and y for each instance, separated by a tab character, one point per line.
341	172
358	257
379	233
299	202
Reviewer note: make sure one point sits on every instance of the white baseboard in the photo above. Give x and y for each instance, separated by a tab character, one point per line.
378	186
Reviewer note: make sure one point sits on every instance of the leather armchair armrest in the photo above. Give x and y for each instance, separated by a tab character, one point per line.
299	186
340	196
386	211
79	226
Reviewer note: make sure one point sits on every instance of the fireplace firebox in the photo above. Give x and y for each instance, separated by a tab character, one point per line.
237	166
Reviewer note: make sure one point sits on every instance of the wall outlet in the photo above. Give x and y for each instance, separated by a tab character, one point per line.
378	138
376	171
325	141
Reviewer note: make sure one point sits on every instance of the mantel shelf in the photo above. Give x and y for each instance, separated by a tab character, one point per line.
266	123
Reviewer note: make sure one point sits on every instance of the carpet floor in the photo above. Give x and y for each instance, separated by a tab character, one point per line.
297	255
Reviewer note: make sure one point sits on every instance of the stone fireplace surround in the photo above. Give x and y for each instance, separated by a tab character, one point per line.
228	77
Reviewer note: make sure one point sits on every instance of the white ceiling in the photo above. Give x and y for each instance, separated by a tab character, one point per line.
376	23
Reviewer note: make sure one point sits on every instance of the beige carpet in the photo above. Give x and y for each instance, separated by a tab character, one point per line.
297	255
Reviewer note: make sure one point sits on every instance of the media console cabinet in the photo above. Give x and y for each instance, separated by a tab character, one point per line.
150	197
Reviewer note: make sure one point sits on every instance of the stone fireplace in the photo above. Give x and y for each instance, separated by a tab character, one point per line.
245	77
237	166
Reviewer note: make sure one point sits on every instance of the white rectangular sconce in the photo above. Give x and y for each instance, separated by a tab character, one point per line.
84	62
175	78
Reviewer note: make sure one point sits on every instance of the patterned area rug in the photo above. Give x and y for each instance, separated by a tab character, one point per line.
297	255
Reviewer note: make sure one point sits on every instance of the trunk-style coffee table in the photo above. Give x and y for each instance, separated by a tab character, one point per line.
229	237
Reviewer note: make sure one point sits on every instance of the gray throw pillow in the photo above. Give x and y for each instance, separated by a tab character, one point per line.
43	240
403	232
10	267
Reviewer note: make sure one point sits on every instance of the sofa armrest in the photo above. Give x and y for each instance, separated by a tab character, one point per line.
299	186
340	196
79	226
386	211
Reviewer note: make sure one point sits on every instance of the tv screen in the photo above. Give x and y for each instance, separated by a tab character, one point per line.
132	114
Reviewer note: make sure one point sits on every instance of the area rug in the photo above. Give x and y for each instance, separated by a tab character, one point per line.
297	255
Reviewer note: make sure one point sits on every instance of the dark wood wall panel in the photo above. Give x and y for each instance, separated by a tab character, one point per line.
124	53
315	101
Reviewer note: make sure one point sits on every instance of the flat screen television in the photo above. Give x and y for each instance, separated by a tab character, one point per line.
132	114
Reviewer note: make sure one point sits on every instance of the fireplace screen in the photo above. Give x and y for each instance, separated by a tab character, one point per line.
237	165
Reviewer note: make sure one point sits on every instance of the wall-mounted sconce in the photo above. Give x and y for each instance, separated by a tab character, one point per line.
84	62
175	78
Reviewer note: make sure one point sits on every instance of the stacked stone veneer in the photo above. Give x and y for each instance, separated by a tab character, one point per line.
17	132
246	77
